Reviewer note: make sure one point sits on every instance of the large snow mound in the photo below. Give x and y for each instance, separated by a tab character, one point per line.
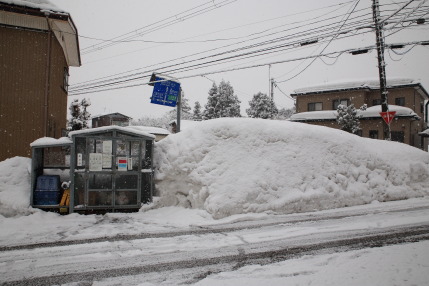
235	166
15	186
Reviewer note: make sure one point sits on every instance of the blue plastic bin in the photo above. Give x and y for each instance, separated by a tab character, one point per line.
47	191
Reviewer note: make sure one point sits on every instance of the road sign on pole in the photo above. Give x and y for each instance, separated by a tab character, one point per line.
165	92
388	116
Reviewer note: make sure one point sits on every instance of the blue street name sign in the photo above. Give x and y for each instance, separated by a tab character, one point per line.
165	92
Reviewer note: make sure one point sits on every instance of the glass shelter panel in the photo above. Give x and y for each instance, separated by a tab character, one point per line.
123	198
100	181
127	182
100	198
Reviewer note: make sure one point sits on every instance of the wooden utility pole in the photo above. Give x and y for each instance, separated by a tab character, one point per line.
381	64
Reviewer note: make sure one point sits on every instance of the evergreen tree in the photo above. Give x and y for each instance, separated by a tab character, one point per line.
197	111
262	106
185	107
348	118
85	115
222	102
79	115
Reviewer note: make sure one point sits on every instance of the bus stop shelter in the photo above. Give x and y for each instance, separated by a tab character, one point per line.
104	169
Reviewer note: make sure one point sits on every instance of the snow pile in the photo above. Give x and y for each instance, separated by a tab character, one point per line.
235	166
14	186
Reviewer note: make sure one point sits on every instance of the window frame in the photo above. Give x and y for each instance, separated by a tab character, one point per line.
314	106
337	102
400	101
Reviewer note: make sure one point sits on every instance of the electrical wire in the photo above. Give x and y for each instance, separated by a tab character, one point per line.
229	51
348	15
141	31
205	64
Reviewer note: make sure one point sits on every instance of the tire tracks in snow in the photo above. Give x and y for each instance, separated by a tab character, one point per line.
210	229
237	256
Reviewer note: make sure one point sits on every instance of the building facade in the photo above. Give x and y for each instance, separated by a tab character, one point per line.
38	45
317	105
117	119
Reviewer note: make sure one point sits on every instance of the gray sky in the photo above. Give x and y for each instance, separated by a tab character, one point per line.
228	27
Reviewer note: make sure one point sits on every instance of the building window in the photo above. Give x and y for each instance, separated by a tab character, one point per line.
315	106
359	133
400	101
376	102
373	134
397	136
66	79
337	102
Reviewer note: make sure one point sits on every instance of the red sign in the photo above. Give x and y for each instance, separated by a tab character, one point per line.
388	116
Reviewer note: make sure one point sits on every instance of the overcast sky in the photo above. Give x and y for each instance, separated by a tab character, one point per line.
182	36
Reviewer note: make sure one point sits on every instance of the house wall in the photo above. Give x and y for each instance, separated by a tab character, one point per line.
357	97
23	73
410	127
107	120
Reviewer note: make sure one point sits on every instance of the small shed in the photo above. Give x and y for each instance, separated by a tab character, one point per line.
107	169
116	118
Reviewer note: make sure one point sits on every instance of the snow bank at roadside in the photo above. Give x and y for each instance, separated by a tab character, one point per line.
234	166
14	186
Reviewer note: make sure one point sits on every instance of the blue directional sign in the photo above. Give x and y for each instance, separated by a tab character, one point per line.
165	92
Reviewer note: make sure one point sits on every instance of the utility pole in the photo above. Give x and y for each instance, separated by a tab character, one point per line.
381	64
269	80
272	89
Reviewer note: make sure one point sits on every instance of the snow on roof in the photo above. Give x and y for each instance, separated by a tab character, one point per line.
37	4
48	141
110	128
150	129
110	113
370	112
356	84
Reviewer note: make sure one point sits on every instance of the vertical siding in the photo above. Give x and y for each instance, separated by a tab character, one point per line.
23	56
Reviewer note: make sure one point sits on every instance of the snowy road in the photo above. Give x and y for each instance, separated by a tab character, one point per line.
190	254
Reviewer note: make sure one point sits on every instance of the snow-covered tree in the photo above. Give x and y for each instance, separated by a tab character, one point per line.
197	111
262	106
79	115
85	115
348	118
284	113
222	102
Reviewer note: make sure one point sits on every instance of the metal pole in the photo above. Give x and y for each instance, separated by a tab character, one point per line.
179	107
381	64
47	80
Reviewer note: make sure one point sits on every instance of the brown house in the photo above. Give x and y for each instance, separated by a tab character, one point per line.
317	105
38	43
116	118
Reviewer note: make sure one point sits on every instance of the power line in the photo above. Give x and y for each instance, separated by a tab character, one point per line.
230	51
201	65
348	15
260	52
242	68
187	14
